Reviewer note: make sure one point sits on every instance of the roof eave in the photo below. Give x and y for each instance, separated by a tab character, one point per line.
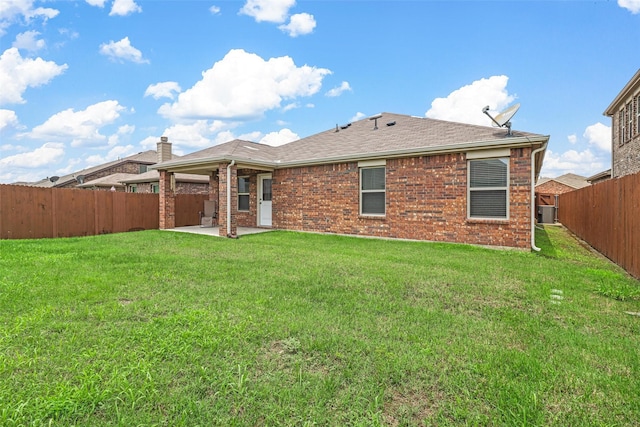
628	88
513	142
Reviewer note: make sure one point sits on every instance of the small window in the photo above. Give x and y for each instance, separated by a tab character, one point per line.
243	193
372	191
155	188
133	188
488	188
143	168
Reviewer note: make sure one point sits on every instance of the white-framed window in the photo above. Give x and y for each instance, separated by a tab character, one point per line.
133	188
373	191
143	168
637	114
243	193
630	120
155	188
621	127
488	188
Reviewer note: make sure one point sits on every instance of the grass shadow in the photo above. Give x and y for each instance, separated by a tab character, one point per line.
545	244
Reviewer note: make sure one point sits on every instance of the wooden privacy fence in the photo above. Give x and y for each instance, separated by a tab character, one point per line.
33	212
607	216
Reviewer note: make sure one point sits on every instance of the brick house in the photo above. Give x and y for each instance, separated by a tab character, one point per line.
392	175
135	164
625	129
553	187
149	182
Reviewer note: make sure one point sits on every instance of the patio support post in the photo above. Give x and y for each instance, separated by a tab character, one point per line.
227	219
167	201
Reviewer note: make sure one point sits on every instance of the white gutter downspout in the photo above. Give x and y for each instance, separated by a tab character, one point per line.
233	162
533	196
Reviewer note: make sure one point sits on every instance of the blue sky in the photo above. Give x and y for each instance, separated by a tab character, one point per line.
87	81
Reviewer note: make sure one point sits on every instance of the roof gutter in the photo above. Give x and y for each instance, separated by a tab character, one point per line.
233	162
533	195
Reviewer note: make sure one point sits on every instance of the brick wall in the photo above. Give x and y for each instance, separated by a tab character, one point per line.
426	199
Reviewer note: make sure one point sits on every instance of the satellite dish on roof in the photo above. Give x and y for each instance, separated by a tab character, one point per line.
54	178
503	119
80	179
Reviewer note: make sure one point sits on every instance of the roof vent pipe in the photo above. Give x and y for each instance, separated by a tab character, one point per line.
375	118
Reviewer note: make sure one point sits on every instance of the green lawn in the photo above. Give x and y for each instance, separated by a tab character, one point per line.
171	329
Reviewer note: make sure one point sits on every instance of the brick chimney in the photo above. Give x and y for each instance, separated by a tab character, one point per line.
164	149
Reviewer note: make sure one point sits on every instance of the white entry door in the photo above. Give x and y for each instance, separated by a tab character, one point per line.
264	200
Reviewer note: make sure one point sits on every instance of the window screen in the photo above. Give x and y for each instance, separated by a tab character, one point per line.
488	185
372	191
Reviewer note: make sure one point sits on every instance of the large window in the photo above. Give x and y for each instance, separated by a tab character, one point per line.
243	193
372	191
488	188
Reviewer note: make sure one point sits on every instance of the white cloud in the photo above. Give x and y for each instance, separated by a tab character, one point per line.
275	11
98	3
8	119
599	135
197	134
244	85
43	156
283	136
215	10
12	11
465	104
29	41
163	90
82	127
584	163
121	51
572	139
337	91
124	7
18	73
632	5
300	24
115	153
122	131
357	117
290	106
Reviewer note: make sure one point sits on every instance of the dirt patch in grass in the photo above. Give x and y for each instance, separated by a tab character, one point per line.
411	407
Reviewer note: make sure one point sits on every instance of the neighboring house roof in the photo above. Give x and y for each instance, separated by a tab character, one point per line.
154	176
624	94
113	180
570	179
396	136
149	157
600	176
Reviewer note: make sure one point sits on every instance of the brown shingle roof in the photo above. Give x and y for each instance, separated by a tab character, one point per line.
570	179
395	134
149	157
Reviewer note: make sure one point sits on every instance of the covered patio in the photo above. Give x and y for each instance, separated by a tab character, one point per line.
215	231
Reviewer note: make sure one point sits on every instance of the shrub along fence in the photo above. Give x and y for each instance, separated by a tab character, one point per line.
34	212
607	216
